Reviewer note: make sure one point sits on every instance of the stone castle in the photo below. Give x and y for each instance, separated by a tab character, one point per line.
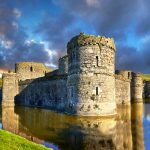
85	83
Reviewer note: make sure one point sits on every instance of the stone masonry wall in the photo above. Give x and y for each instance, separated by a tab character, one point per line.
30	70
63	65
43	92
123	93
91	82
147	89
9	88
136	87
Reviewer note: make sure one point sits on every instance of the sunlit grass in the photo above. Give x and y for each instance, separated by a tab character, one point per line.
146	77
9	141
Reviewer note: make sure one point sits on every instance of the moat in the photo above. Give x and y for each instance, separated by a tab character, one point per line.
128	130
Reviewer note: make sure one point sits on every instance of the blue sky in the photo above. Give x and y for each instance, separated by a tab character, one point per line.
38	30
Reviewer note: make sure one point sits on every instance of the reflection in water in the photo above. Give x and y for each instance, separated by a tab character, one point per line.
137	126
74	133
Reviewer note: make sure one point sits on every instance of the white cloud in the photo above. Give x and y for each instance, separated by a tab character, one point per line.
17	12
6	44
92	3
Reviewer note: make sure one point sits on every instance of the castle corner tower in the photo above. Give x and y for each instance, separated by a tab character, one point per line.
91	81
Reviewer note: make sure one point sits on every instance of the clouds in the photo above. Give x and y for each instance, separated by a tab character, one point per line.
57	21
13	40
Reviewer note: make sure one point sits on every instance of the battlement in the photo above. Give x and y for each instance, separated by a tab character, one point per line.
84	40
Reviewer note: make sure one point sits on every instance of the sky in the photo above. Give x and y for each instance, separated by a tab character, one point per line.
38	30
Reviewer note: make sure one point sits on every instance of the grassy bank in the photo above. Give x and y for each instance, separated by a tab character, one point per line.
146	77
9	141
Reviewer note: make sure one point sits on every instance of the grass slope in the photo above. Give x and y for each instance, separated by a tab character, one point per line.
9	141
146	77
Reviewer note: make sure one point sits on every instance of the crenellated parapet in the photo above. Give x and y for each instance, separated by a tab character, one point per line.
85	40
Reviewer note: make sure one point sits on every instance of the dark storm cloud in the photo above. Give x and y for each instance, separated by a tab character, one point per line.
14	43
109	18
112	18
129	58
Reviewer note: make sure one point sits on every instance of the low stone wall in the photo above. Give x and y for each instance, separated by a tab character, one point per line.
146	89
122	90
43	92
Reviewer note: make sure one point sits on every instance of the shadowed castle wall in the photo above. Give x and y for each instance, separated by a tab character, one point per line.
63	65
43	92
147	89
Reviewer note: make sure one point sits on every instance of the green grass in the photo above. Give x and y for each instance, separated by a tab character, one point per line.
146	77
9	141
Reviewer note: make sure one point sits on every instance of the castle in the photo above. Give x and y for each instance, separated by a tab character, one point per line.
85	83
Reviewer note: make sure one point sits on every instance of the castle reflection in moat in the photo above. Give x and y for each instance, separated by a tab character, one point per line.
124	132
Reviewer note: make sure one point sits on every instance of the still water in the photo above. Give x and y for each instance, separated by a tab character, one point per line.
130	130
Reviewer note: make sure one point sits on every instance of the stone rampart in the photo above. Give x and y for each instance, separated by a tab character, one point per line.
43	92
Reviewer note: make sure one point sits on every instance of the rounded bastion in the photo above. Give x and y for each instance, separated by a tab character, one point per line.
91	82
136	87
30	70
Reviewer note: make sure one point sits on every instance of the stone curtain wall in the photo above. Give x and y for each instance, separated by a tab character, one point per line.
91	82
30	70
43	92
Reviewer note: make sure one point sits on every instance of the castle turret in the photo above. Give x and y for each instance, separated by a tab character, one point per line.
91	82
63	65
9	89
30	70
136	87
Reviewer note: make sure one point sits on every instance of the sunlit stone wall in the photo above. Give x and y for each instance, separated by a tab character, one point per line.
9	88
136	87
122	85
30	70
91	82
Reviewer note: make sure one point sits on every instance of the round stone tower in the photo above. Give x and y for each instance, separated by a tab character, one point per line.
91	81
136	87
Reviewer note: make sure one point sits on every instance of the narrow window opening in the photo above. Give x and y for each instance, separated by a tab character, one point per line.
31	69
128	75
97	61
72	92
96	90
